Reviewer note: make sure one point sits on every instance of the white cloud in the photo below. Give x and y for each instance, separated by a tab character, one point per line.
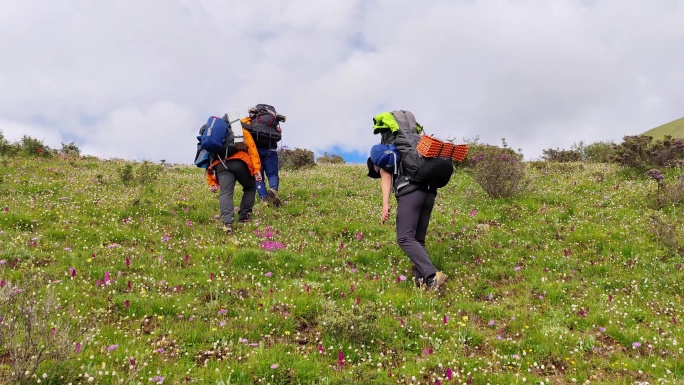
541	74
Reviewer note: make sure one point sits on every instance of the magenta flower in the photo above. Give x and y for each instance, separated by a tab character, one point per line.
320	349
128	304
165	238
358	299
211	276
444	320
490	323
473	212
359	235
77	348
72	271
342	295
340	358
128	262
449	374
106	277
268	274
274	366
425	352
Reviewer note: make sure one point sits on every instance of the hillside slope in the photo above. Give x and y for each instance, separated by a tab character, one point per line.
577	280
675	129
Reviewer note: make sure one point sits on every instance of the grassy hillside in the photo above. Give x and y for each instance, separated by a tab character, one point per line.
577	280
675	129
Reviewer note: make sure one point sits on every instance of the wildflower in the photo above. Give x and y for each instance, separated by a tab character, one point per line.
358	299
401	278
449	374
602	329
112	347
128	285
444	320
517	268
222	323
106	277
610	298
128	262
2	283
490	323
425	353
77	348
636	345
342	295
274	366
268	274
656	175
165	238
131	362
430	350
157	379
359	235
320	349
340	358
473	212
223	311
67	249
128	304
72	271
189	223
211	276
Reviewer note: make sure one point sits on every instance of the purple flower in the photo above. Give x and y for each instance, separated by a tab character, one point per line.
490	323
473	212
517	268
77	348
157	379
223	311
636	345
112	347
165	238
268	274
274	366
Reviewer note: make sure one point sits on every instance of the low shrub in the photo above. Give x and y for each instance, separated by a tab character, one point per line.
330	159
500	171
296	159
561	156
642	152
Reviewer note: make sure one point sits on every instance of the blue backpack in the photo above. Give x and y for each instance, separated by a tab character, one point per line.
215	141
385	156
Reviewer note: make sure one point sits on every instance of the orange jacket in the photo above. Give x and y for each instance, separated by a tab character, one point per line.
250	157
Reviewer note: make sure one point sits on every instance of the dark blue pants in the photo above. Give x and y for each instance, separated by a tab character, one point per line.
269	167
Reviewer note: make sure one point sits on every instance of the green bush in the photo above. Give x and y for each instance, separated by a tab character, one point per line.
295	159
70	149
33	147
357	324
330	159
599	152
148	172
561	156
126	174
500	171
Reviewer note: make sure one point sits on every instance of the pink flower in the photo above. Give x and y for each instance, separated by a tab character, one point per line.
359	235
473	212
112	347
636	345
444	320
77	348
449	374
274	366
268	274
517	268
128	304
490	323
340	358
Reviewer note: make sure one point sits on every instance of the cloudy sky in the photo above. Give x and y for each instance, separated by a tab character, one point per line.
135	79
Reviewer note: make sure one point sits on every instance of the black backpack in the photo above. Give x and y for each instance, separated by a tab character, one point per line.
264	126
401	129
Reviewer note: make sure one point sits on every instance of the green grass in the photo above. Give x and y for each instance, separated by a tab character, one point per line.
675	129
559	284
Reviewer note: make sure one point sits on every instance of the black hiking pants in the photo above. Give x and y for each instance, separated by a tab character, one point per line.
235	170
413	217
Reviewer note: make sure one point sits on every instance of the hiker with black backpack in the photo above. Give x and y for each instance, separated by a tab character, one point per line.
414	179
230	156
263	123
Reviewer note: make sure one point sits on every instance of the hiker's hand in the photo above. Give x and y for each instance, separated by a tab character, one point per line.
214	188
257	177
385	213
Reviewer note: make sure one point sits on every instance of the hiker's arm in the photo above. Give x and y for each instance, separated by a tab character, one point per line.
386	179
211	181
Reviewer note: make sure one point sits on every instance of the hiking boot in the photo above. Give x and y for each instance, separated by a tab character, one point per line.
273	197
434	282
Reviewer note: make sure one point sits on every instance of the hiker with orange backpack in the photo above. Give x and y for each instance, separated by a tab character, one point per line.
235	159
